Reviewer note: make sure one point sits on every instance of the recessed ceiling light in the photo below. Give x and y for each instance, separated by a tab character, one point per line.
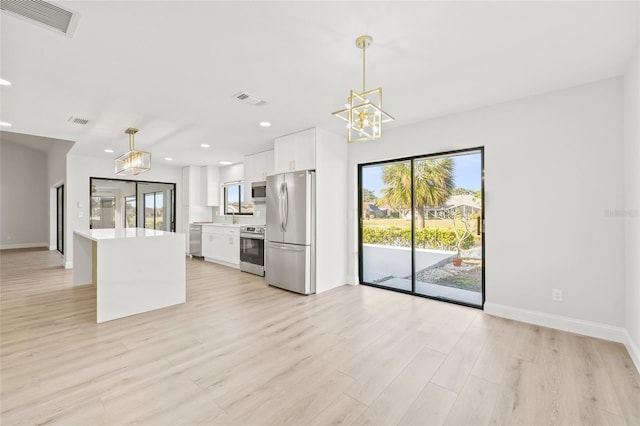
225	163
2	123
110	151
4	82
265	124
205	145
168	158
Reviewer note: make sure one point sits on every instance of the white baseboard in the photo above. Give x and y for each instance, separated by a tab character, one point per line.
353	280
587	328
68	264
632	348
23	245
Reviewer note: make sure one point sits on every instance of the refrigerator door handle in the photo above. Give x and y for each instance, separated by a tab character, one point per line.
280	206
286	206
286	248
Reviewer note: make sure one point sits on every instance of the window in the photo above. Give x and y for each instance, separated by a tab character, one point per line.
153	210
234	199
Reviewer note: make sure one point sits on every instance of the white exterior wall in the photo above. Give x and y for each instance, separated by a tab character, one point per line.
553	168
80	169
631	211
24	199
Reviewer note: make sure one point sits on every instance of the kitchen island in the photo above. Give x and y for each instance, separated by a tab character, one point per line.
134	270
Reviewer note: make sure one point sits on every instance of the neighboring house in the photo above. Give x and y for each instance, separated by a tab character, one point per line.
465	205
371	210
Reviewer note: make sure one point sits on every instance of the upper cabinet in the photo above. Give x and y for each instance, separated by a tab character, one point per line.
210	185
296	151
191	186
256	169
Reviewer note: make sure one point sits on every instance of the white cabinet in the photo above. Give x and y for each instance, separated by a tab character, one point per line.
192	208
208	250
296	151
221	244
256	169
210	185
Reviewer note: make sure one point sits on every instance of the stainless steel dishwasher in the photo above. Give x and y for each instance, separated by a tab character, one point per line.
195	240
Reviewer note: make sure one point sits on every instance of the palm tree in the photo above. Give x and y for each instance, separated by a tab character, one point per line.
433	182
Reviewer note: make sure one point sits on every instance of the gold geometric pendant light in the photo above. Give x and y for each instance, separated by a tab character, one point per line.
133	162
363	110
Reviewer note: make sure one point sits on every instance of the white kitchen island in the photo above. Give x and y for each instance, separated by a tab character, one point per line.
134	270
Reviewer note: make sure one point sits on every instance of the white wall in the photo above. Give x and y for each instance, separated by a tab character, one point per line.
631	211
56	170
24	197
556	159
331	224
80	169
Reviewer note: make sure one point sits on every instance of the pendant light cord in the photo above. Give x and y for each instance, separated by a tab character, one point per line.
364	47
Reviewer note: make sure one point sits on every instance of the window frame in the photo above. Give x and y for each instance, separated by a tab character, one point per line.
239	186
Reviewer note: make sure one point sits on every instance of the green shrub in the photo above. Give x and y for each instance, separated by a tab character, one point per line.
428	238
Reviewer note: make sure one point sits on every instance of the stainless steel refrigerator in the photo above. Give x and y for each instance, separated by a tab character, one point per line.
290	249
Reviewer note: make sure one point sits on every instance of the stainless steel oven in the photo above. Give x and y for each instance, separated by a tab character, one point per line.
252	249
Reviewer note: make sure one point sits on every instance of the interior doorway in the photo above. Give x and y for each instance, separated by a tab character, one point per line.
421	225
60	219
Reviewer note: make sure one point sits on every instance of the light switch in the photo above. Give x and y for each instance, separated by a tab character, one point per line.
80	214
80	205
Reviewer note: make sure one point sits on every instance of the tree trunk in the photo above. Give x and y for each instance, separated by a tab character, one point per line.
420	217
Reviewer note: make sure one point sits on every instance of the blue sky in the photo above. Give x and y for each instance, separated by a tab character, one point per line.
467	173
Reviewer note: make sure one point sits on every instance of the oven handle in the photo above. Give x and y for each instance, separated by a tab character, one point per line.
252	236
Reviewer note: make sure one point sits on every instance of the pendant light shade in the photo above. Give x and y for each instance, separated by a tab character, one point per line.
363	110
133	162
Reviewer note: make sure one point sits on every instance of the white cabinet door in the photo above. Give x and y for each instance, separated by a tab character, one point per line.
207	245
295	152
218	247
210	185
305	150
232	249
269	164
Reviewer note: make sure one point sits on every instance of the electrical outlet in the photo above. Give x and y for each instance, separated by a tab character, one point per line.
556	295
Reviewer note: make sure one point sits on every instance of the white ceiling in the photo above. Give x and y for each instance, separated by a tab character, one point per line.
170	68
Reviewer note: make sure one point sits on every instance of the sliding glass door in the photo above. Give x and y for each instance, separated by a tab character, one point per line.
421	226
119	203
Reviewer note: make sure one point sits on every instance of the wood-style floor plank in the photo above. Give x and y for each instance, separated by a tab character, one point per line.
239	352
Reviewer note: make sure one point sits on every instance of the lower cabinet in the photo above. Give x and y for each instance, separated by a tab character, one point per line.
221	244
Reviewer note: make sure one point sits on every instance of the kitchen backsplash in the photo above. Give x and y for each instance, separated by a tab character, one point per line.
259	216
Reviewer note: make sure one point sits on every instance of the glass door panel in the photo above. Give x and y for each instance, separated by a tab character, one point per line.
447	239
385	206
103	211
130	211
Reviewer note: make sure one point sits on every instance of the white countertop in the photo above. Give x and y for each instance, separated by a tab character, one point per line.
230	225
121	233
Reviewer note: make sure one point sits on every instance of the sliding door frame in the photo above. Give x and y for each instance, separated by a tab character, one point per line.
413	272
136	182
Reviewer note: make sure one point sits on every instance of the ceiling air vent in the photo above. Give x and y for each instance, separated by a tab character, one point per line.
249	99
42	13
77	120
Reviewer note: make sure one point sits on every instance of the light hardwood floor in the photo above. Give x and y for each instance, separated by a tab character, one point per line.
240	352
